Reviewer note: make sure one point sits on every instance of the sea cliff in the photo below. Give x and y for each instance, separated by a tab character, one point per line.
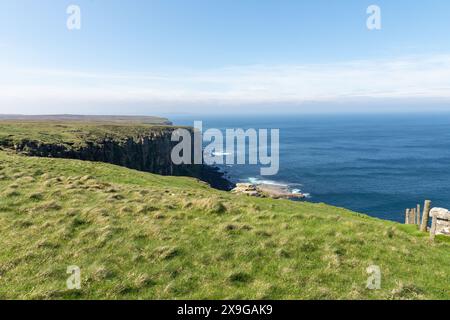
141	147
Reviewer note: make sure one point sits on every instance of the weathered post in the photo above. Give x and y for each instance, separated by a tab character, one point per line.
418	215
407	216
426	215
412	218
433	227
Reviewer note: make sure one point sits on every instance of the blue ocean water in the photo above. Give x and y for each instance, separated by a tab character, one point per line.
374	164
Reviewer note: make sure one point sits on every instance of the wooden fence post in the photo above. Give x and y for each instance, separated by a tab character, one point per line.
418	215
407	216
426	215
433	228
412	219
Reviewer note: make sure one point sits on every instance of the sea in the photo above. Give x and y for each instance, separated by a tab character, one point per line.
376	164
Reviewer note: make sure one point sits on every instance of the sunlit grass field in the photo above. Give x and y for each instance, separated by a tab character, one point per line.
136	235
72	134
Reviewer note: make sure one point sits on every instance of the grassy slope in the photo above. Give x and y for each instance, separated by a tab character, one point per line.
138	235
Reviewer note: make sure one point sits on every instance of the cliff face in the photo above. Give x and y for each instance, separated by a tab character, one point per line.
150	152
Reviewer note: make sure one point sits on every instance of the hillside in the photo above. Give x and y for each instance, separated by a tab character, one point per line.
140	235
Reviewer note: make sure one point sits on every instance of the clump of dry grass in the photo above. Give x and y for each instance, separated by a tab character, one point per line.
23	223
86	178
126	210
52	182
71	212
159	216
26	180
77	222
283	253
94	185
209	205
18	175
46	176
146	208
390	233
48	206
263	233
37	196
406	291
166	252
11	193
308	246
239	277
229	227
143	280
47	244
101	273
115	197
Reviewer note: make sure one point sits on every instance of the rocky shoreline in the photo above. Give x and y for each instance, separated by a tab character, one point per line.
266	191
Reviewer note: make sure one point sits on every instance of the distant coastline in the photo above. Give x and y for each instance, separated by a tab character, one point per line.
88	118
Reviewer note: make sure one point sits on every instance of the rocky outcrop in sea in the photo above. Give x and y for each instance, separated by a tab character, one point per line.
266	191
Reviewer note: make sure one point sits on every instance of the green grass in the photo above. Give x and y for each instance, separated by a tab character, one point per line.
71	133
138	235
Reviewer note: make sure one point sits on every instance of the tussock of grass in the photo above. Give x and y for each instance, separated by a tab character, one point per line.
263	233
146	208
48	206
116	197
37	196
209	205
282	253
239	277
159	216
166	253
406	292
102	273
12	193
138	235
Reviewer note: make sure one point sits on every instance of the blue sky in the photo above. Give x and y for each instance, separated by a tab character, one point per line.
203	56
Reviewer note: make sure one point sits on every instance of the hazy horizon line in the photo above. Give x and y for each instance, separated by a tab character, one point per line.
425	78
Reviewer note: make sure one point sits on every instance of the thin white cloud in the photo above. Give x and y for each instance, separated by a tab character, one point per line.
406	77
